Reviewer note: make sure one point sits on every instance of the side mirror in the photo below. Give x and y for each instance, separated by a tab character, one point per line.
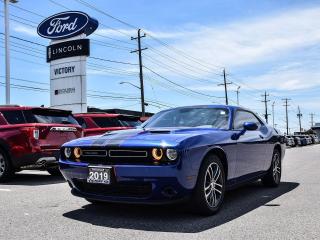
247	126
250	126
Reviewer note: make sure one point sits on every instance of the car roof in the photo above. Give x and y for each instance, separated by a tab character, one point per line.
210	106
98	114
109	115
17	108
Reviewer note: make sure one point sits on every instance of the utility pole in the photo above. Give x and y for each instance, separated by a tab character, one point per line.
273	113
265	101
299	115
139	50
311	115
225	83
287	118
238	91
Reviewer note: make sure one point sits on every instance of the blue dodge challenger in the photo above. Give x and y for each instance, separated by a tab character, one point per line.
187	153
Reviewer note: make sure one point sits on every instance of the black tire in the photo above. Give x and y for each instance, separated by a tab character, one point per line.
208	194
6	170
54	171
273	176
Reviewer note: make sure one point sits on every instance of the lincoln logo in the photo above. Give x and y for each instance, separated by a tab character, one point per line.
66	25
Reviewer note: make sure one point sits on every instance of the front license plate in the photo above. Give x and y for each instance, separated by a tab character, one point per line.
99	175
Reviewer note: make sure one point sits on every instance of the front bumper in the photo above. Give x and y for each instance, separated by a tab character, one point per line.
130	183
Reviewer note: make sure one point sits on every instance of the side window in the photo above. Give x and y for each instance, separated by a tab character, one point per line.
243	116
81	122
14	117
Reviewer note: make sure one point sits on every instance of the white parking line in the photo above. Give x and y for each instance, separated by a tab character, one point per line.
5	190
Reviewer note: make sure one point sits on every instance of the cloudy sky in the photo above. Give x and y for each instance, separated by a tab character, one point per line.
268	46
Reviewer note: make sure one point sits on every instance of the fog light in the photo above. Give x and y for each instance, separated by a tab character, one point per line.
67	152
157	153
172	154
77	152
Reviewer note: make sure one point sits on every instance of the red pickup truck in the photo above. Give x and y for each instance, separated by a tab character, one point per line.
100	123
30	138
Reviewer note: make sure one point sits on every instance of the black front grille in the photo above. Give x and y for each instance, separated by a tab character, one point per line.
116	156
127	153
138	190
94	153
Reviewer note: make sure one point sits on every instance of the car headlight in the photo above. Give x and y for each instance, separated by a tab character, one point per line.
67	152
172	154
77	152
157	153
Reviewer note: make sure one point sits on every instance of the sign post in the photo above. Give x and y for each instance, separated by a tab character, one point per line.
67	55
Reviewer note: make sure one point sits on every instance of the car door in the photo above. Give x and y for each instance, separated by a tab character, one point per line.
251	146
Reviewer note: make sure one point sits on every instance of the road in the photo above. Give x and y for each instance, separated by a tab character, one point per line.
38	206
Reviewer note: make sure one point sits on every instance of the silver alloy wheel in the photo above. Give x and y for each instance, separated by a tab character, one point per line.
2	165
276	168
213	185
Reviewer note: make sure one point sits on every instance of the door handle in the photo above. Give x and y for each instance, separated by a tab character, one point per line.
261	136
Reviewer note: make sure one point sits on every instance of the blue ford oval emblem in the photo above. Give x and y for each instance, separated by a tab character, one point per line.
66	25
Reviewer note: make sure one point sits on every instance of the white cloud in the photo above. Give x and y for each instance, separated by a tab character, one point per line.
25	30
254	40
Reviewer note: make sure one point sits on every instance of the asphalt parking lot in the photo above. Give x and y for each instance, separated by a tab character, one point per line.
38	206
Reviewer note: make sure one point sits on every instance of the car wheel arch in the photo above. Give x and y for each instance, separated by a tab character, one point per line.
278	147
5	148
222	155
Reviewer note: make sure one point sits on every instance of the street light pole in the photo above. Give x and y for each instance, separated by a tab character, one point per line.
7	46
7	50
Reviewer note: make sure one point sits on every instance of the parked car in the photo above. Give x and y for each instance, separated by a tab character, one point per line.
100	123
304	141
297	140
309	139
290	141
315	139
31	137
189	153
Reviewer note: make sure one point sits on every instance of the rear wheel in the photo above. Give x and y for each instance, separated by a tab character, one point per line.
54	171
273	176
210	188
6	171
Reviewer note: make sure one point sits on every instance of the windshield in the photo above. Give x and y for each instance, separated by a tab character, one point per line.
191	117
49	116
105	122
129	121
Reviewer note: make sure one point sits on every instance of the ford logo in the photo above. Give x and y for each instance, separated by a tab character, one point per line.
66	25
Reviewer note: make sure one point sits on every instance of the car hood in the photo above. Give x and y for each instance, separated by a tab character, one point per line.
168	137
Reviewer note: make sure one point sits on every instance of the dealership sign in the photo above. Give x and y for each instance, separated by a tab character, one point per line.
68	49
67	54
66	25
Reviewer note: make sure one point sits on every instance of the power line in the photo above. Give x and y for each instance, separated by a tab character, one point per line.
176	70
28	11
28	41
105	13
113	61
176	84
